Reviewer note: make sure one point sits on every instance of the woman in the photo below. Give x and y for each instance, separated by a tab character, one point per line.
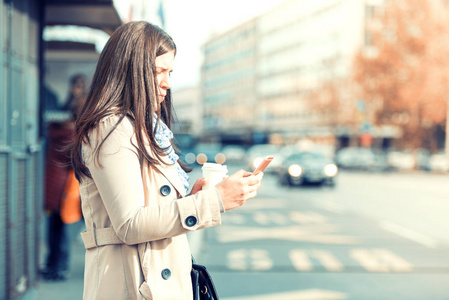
133	188
59	174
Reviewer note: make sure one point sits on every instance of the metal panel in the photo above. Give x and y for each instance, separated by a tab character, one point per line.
5	13
16	90
32	78
4	193
21	160
4	19
18	242
31	106
19	27
3	100
33	32
34	214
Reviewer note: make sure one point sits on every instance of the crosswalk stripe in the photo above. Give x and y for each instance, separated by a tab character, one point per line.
329	261
237	259
380	260
372	260
264	218
395	262
249	259
367	261
307	217
300	260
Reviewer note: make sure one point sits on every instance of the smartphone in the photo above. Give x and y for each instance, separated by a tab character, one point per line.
263	164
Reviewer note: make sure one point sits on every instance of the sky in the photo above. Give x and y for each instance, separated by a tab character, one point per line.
191	22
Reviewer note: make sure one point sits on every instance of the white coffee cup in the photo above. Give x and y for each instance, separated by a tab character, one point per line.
214	173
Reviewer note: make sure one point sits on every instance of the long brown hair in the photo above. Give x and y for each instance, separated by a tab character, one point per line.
125	84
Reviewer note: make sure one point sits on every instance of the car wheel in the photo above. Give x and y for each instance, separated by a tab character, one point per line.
292	183
330	183
283	181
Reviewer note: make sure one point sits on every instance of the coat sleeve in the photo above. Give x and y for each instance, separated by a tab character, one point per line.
117	176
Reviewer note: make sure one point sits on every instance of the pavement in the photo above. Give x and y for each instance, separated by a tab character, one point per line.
72	289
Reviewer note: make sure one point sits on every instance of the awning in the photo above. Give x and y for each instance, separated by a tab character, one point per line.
99	14
69	46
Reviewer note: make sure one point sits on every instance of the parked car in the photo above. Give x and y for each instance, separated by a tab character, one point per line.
256	154
358	158
401	160
439	162
307	167
234	153
423	159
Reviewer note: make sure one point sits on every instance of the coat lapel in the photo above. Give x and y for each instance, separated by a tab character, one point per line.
167	169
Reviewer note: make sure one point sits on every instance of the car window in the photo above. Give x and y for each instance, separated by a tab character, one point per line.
306	156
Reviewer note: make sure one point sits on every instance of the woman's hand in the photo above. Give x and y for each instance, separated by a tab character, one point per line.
237	188
198	186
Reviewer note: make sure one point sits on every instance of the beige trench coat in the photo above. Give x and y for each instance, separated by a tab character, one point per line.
137	217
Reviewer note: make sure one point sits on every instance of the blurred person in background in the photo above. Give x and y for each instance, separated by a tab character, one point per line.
62	203
134	189
77	95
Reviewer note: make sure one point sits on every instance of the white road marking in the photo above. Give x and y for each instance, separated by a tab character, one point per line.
312	294
300	260
409	234
396	263
237	260
249	259
265	218
380	260
321	233
235	218
307	217
328	260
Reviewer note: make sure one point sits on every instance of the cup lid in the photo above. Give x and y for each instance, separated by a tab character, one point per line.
214	166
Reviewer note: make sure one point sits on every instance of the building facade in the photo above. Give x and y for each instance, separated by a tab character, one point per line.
228	83
288	53
188	108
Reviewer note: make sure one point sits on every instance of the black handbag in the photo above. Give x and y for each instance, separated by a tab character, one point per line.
203	286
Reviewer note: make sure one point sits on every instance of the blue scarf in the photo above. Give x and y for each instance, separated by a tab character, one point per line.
163	137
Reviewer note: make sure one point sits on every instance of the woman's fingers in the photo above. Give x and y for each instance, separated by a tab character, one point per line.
238	188
252	194
254	180
198	186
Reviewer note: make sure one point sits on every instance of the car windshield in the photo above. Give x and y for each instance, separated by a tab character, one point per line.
306	156
264	149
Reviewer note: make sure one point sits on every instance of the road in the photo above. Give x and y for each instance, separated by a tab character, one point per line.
373	236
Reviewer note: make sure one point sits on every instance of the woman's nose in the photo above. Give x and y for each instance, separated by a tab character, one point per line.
165	82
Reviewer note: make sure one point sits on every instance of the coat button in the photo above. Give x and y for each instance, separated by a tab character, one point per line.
165	190
191	221
166	273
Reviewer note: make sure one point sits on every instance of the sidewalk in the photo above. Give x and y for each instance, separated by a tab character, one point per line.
72	289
